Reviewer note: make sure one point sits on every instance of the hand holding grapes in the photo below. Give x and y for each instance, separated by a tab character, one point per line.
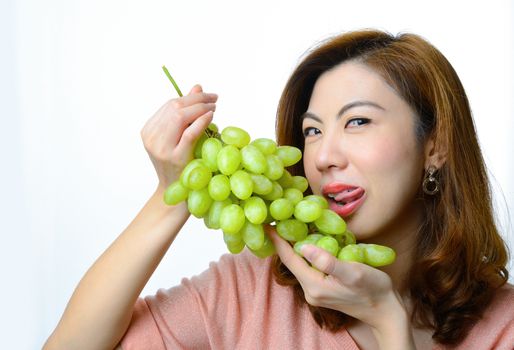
169	136
354	288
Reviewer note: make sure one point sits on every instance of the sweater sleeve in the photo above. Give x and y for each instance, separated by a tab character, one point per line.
206	311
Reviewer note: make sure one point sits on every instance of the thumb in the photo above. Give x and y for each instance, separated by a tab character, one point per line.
197	88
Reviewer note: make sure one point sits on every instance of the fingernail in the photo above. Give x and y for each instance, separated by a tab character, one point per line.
306	251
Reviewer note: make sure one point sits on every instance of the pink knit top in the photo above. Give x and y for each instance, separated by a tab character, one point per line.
236	304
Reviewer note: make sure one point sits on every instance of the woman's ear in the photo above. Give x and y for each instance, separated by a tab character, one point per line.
434	156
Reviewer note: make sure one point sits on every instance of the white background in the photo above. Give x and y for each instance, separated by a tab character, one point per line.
78	80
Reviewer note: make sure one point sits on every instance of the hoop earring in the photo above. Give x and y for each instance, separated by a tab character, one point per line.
430	184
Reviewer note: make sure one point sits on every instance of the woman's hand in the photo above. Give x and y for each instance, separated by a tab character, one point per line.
169	136
355	289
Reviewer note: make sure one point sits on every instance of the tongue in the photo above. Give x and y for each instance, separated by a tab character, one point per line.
348	196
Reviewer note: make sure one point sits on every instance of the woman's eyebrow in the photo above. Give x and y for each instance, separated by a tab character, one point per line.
343	110
310	116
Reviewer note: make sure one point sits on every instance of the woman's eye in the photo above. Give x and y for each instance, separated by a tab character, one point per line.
357	122
310	132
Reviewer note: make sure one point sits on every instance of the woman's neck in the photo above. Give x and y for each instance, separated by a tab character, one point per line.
402	236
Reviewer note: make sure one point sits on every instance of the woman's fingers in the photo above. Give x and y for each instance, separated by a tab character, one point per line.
295	263
323	262
170	135
192	133
319	258
195	96
196	88
186	117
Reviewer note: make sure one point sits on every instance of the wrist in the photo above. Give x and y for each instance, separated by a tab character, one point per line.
157	204
393	329
165	220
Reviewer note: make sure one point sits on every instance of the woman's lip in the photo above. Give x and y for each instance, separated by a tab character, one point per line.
347	209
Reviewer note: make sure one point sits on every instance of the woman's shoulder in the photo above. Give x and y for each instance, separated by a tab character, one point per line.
500	312
244	270
495	330
502	304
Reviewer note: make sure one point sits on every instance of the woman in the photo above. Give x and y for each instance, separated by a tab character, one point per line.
388	139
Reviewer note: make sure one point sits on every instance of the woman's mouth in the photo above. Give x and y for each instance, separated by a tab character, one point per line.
344	199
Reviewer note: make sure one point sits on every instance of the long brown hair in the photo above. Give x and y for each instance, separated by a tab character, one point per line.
460	257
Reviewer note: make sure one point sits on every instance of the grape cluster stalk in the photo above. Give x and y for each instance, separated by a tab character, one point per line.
238	185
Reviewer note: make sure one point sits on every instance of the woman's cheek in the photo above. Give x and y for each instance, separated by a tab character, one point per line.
383	154
311	173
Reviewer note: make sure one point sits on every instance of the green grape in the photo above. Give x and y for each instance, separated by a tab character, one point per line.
234	242
253	235
329	244
229	159
266	146
199	177
213	128
300	183
232	219
253	160
331	223
184	176
261	184
289	155
210	150
307	211
286	180
255	210
212	219
292	230
293	194
281	209
323	203
199	202
266	250
347	238
199	144
352	252
275	167
219	187
233	135
310	239
378	255
276	192
241	184
175	193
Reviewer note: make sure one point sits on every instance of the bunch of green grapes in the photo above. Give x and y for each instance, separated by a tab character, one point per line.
238	185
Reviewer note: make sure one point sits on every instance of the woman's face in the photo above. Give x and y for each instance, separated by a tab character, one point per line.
361	152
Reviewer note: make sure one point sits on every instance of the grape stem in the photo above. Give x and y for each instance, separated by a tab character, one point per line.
172	80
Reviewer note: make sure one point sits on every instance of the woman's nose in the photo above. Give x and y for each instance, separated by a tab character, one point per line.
331	153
